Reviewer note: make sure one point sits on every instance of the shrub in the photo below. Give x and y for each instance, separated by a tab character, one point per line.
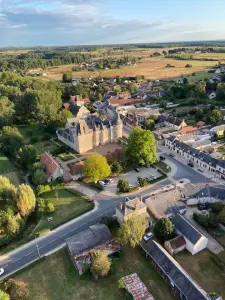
50	207
123	186
29	133
217	207
34	140
43	189
46	137
205	221
100	264
142	181
110	222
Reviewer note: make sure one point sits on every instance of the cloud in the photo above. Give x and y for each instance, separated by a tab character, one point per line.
63	22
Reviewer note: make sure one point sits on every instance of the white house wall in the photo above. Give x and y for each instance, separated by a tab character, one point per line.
201	244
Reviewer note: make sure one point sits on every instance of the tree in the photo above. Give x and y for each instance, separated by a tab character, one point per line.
6	111
18	289
11	140
132	231
221	216
39	177
214	116
27	155
7	191
123	186
150	124
67	77
141	147
199	115
12	225
4	296
63	116
100	264
25	199
217	207
96	167
142	181
116	167
163	228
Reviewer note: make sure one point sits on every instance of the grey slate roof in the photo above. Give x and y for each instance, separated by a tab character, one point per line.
170	120
88	239
174	271
186	228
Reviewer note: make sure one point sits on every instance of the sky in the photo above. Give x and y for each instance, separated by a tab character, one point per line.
88	22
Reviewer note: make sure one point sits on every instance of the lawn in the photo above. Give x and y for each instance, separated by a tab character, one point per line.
66	156
67	285
69	204
5	165
43	146
163	166
204	270
15	177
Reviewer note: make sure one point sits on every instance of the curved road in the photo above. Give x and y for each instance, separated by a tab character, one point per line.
30	252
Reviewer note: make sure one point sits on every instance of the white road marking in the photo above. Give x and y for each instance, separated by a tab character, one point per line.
63	235
17	260
29	253
5	266
53	241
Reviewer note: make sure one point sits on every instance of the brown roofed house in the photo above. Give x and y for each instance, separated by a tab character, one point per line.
83	244
130	209
76	170
175	245
200	124
131	101
52	167
124	95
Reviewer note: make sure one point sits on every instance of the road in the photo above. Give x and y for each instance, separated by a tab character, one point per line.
25	255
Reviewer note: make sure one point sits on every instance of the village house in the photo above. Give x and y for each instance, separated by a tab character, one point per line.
76	170
82	245
124	95
195	240
180	282
175	245
170	121
85	133
76	106
52	167
130	209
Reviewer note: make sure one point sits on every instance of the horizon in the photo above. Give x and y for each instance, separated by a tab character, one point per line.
35	23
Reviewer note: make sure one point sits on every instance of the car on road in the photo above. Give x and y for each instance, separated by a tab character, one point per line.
148	236
102	183
162	158
108	181
171	154
2	271
190	165
203	206
137	170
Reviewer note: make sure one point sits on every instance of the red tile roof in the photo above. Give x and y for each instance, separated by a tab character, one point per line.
200	123
125	101
76	168
136	287
124	95
50	163
188	129
177	242
66	105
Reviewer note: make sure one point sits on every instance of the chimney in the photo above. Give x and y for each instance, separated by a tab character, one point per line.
121	205
141	199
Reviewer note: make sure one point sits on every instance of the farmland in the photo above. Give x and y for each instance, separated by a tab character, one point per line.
152	68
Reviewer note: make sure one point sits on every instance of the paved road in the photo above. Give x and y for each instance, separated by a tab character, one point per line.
30	252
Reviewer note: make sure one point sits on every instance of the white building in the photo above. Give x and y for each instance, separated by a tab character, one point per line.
195	240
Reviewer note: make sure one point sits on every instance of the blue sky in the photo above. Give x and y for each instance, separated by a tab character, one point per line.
75	22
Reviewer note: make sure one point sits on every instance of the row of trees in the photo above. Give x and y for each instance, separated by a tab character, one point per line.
16	206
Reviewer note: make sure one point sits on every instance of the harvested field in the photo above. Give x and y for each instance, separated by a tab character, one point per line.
153	68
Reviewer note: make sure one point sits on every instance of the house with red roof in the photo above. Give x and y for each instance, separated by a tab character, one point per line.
52	167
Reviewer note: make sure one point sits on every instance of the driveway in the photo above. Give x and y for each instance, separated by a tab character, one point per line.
212	245
131	177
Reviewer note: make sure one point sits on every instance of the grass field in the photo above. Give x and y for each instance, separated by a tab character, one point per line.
204	270
68	205
5	165
55	278
153	68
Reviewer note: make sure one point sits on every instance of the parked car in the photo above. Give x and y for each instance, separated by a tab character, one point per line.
2	271
171	154
152	177
108	181
130	185
200	170
162	158
137	170
190	164
203	206
148	236
102	183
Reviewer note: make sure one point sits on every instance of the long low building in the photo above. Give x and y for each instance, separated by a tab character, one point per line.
201	159
181	283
